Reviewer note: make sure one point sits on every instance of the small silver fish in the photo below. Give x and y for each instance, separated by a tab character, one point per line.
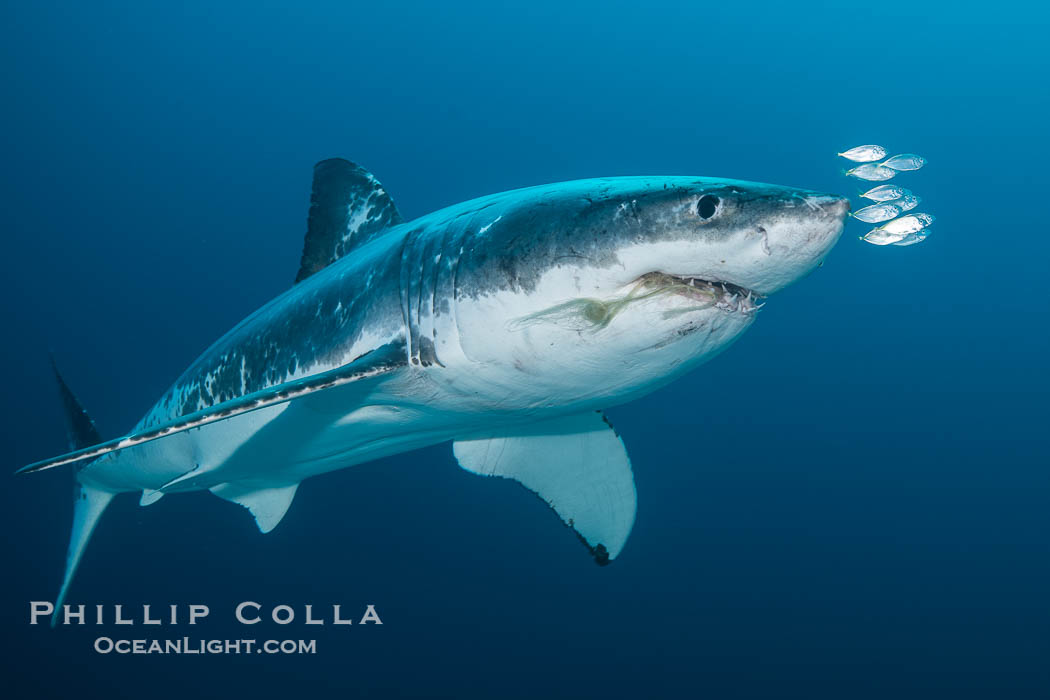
877	236
907	202
884	193
864	154
913	238
912	223
905	161
877	213
872	172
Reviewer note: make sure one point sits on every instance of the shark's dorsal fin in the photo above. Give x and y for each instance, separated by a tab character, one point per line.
348	207
577	464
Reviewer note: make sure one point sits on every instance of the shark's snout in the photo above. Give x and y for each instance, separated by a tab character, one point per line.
816	206
831	208
836	207
824	218
798	233
831	204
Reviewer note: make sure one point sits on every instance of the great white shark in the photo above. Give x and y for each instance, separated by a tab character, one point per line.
505	324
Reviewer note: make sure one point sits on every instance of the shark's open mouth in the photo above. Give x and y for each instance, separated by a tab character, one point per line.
723	295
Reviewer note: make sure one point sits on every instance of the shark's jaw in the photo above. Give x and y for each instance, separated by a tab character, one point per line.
725	296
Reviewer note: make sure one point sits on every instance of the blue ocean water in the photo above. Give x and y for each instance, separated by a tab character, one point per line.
852	502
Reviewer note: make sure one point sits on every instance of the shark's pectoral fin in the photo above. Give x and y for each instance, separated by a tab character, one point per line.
267	504
577	464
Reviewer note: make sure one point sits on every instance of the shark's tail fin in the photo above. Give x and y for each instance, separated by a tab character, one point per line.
88	501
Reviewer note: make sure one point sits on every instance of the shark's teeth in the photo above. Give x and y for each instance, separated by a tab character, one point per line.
726	296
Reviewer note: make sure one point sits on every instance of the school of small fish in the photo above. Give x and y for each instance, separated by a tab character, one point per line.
890	201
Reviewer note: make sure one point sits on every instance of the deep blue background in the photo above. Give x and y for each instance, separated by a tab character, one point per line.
853	502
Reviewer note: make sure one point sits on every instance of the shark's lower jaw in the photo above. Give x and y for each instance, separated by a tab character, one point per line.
724	296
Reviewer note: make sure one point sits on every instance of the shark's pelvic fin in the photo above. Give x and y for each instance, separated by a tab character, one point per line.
182	478
348	207
88	502
382	360
577	464
150	496
267	504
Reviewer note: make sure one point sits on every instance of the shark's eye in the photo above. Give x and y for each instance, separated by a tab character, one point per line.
707	206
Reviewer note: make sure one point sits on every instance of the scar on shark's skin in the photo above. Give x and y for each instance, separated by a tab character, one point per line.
551	304
765	240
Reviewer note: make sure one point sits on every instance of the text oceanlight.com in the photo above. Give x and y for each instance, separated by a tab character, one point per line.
107	645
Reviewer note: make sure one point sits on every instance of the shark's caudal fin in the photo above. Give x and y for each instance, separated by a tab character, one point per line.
577	464
88	502
80	429
88	506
